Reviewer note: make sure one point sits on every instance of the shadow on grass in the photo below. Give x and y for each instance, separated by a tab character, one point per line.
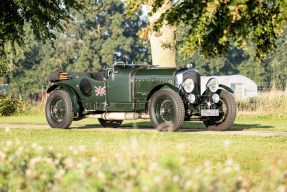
89	126
241	127
136	125
187	126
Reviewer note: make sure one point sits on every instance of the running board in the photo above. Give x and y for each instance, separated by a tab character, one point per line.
120	116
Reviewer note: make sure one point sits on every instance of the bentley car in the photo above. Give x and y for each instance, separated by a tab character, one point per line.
167	96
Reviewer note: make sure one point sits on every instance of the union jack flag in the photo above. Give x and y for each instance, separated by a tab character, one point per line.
100	91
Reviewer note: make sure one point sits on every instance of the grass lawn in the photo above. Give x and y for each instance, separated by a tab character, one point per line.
243	122
253	153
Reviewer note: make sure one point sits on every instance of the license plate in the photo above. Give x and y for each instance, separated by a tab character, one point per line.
209	112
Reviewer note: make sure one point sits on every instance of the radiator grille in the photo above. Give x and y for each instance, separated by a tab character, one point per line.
196	78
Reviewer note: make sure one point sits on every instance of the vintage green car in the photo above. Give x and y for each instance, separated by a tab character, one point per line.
167	96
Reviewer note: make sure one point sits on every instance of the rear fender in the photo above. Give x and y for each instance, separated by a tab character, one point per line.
53	87
76	105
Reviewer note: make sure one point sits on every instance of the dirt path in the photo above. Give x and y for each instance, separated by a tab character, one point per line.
190	131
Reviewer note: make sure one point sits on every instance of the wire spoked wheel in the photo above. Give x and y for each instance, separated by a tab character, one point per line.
166	110
58	110
227	113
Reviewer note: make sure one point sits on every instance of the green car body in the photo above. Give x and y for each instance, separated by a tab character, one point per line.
126	91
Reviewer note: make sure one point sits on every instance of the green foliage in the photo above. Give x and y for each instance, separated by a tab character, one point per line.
268	73
215	25
3	66
10	106
278	64
44	17
96	37
214	66
7	105
44	170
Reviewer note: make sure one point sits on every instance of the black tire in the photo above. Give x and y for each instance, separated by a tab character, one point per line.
166	110
227	113
59	113
110	123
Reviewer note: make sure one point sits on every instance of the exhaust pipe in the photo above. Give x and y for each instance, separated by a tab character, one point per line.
120	116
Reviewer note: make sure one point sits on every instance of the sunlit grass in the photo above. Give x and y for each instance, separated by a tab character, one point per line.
252	153
249	151
244	121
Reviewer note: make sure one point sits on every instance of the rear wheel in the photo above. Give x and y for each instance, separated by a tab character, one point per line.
227	113
166	110
59	113
110	123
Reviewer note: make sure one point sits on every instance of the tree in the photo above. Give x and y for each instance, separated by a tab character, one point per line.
44	17
162	41
218	24
101	36
94	38
235	61
278	61
217	65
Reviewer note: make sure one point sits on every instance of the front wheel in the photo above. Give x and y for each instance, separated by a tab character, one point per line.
166	110
227	113
110	123
59	113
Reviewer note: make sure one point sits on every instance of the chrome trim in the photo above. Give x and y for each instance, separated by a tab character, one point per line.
179	76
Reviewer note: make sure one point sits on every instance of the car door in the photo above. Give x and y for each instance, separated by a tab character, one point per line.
119	90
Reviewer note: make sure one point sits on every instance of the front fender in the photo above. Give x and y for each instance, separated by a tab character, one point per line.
72	93
158	87
221	86
226	88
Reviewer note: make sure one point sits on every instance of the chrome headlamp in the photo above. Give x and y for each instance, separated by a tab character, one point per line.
191	98
212	85
215	98
188	85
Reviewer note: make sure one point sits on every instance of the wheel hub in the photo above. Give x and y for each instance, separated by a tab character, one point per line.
165	110
57	110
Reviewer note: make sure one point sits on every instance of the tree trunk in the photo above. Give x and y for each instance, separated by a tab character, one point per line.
162	41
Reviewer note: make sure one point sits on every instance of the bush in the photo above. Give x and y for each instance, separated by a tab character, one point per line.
273	103
27	107
7	105
33	168
249	104
10	107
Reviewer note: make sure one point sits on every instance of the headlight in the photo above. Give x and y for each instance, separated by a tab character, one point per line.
215	98
191	98
188	85
212	85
